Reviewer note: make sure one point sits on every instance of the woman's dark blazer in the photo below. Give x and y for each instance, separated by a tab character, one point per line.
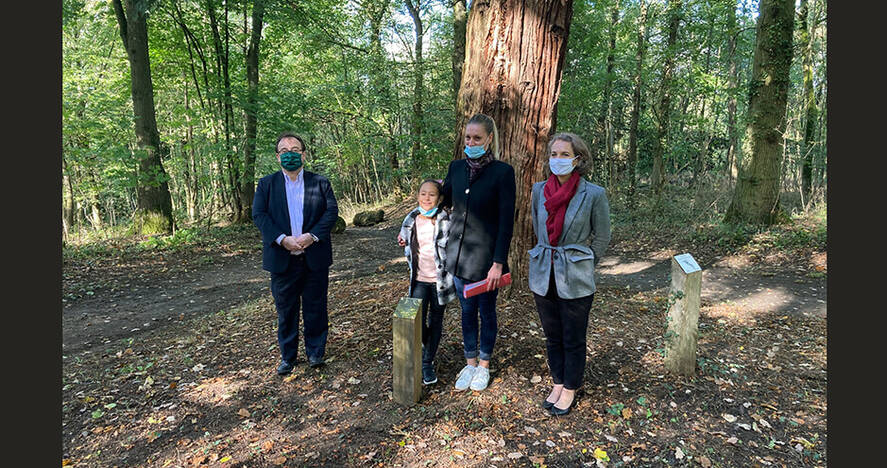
481	220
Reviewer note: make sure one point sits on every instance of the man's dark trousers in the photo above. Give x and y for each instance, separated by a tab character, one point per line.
299	286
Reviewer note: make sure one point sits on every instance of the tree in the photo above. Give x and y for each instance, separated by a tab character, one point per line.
415	9
756	196
513	64
664	110
811	114
636	103
251	113
460	20
154	208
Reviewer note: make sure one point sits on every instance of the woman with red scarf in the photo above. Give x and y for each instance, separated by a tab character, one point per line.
571	219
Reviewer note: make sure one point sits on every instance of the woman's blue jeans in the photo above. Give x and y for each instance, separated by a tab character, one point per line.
485	306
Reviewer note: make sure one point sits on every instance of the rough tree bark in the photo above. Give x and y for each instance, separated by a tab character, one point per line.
247	186
756	196
636	104
657	178
154	203
513	65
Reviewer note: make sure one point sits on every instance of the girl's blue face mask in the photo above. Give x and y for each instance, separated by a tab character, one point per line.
428	213
474	152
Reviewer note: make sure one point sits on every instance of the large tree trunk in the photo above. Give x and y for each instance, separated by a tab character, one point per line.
247	186
513	64
674	20
154	203
414	6
809	101
636	105
756	197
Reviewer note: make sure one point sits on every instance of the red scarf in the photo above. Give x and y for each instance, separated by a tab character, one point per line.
557	197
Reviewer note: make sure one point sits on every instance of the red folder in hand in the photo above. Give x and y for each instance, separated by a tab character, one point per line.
480	287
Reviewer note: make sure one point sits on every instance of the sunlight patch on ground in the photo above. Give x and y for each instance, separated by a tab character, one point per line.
746	310
214	391
614	267
664	254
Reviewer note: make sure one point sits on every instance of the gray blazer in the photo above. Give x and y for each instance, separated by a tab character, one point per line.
583	242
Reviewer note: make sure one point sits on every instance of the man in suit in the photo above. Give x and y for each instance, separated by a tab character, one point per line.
295	210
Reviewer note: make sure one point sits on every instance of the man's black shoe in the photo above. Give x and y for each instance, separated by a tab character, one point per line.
315	362
284	368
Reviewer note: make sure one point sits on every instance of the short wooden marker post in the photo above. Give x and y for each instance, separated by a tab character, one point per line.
407	372
683	315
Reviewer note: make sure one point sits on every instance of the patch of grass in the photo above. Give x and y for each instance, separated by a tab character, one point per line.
177	241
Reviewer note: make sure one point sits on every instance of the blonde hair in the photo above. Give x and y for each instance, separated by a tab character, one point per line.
490	127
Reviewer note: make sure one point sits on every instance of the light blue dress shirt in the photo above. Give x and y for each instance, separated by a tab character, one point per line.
295	202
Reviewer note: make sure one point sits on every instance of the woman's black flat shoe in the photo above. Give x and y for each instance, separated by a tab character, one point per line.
547	404
555	411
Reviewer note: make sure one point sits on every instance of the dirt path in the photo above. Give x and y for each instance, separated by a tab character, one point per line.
725	283
179	286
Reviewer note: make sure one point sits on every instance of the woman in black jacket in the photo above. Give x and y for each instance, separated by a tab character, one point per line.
480	191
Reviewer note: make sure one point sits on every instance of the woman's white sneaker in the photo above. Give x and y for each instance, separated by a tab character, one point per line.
480	379
465	377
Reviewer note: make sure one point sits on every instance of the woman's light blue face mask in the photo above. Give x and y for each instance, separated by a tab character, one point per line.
561	166
474	152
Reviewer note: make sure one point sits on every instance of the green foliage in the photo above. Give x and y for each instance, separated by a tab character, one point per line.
181	239
323	75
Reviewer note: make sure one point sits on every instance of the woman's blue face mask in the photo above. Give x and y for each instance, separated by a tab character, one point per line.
474	152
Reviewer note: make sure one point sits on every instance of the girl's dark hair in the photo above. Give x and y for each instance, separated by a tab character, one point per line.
431	181
580	150
490	126
289	134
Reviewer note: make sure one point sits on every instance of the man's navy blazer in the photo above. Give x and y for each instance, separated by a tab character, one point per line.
271	215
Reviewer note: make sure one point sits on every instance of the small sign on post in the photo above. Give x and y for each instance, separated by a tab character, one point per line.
683	315
407	373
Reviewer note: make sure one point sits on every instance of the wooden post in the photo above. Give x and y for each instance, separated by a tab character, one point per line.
407	373
683	315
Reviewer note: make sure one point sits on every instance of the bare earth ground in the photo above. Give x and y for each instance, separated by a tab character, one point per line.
168	360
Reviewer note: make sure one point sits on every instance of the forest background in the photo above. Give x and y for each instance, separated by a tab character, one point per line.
373	86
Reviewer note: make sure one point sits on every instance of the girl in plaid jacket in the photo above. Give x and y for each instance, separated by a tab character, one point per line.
423	235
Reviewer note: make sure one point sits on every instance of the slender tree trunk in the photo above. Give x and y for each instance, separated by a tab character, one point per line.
674	20
247	187
733	79
636	105
460	21
756	196
68	207
809	102
608	96
414	6
513	64
232	175
154	212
